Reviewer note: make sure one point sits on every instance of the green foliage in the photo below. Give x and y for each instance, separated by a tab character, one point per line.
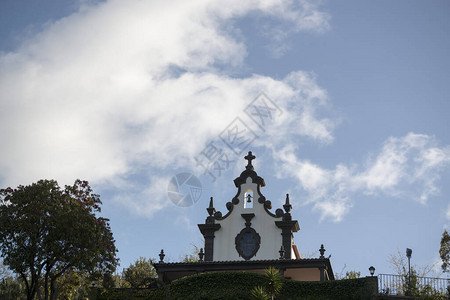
4	272
273	281
361	288
12	288
120	282
193	255
220	285
428	292
418	287
129	293
414	283
258	293
72	285
140	274
399	264
242	285
46	231
352	275
444	251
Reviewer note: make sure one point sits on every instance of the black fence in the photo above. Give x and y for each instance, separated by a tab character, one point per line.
402	285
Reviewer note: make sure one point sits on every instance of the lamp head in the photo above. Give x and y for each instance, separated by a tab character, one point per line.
372	270
408	252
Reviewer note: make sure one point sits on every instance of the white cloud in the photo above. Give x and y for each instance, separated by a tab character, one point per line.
406	166
309	18
117	88
413	159
143	199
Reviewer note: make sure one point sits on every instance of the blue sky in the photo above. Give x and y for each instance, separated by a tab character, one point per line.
127	94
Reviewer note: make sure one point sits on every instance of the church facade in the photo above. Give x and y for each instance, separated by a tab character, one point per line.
250	237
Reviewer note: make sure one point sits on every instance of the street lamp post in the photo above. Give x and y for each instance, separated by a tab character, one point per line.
408	254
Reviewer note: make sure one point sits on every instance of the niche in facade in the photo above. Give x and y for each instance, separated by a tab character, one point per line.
248	199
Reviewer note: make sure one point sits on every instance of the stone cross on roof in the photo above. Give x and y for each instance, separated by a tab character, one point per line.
250	157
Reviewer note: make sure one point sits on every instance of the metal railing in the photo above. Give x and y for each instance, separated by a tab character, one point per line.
389	284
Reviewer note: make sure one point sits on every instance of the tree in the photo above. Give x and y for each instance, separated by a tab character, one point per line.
4	272
46	231
192	256
12	288
119	280
444	251
141	274
73	285
273	282
352	275
399	264
258	293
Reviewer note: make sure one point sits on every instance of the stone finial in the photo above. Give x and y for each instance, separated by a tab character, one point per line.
322	251
287	205
282	252
201	254
211	210
250	157
161	256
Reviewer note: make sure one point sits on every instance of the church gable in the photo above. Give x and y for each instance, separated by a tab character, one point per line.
249	237
249	230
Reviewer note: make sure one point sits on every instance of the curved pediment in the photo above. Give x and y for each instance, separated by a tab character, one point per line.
226	236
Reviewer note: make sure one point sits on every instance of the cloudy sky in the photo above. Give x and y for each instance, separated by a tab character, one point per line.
345	105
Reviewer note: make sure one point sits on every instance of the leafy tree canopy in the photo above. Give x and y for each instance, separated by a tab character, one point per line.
140	274
444	251
352	274
192	256
47	231
3	271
